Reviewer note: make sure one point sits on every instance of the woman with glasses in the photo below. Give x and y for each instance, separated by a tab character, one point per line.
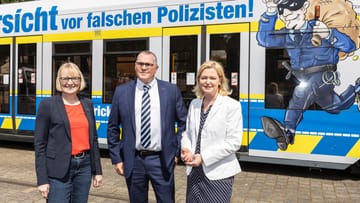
67	156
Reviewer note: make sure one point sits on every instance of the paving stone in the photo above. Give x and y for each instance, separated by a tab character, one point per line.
254	185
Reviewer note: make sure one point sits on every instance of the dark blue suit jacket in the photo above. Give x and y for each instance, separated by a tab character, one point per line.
173	111
53	140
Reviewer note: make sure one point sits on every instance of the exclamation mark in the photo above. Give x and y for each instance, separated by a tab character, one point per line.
251	8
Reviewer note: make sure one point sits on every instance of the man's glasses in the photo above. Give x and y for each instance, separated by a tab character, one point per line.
73	79
143	64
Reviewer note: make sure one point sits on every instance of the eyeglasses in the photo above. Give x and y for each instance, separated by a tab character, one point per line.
73	79
144	64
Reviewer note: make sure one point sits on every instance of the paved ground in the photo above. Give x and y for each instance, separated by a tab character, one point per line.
257	183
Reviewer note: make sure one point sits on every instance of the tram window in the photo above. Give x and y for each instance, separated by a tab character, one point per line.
75	52
119	59
183	60
276	76
225	48
26	79
66	48
277	88
4	78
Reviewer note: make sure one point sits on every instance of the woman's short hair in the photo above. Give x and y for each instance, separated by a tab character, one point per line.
73	68
223	86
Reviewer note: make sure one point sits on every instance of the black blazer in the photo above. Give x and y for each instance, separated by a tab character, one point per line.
53	140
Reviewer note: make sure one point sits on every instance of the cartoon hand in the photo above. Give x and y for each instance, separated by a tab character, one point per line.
271	5
321	29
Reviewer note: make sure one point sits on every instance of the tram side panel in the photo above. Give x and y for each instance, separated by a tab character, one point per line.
322	138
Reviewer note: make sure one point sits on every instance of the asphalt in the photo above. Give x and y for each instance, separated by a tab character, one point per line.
257	183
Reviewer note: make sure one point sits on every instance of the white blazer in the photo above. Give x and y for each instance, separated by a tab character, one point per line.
220	136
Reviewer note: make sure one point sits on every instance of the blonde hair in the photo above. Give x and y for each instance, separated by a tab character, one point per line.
72	67
224	89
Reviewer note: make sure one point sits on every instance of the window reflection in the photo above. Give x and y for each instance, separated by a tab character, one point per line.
26	79
276	73
78	53
183	60
4	78
119	60
225	48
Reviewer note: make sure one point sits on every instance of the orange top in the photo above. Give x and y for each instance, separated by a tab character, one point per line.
79	128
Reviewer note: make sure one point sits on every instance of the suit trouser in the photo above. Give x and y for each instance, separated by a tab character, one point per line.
149	168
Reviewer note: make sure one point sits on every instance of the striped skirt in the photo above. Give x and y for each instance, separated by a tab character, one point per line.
202	190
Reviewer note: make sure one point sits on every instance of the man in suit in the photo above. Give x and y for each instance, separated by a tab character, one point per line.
153	159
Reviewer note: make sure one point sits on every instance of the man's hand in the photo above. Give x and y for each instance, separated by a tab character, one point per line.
119	168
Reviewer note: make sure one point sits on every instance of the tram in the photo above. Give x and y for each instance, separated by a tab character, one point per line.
103	38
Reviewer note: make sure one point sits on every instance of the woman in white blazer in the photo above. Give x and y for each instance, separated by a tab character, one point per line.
213	135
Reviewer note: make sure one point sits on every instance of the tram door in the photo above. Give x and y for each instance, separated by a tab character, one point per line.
18	69
4	78
229	45
181	56
28	65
